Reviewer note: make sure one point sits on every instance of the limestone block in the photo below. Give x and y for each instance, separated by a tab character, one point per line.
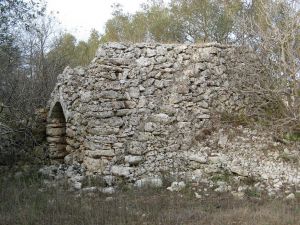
96	154
150	52
124	112
150	127
121	171
161	118
85	96
134	92
159	83
203	116
70	132
56	131
73	142
201	158
223	139
105	114
94	165
142	102
143	62
175	98
136	148
100	53
182	89
240	170
103	130
149	182
57	139
130	104
115	45
176	186
110	94
55	123
112	122
133	159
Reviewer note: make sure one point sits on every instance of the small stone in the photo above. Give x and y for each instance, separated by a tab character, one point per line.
133	159
121	171
198	196
198	158
239	195
108	190
150	127
223	140
149	182
176	186
291	196
77	185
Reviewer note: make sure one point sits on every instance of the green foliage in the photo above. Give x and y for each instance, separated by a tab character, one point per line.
253	193
226	177
294	136
206	20
67	52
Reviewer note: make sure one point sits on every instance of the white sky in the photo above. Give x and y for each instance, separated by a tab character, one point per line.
80	16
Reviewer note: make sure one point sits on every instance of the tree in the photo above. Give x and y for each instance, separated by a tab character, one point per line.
271	28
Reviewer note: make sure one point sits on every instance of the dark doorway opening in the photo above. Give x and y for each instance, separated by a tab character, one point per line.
56	133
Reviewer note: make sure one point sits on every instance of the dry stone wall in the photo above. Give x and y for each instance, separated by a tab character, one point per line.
141	110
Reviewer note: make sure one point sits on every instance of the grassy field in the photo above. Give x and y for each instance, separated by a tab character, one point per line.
25	201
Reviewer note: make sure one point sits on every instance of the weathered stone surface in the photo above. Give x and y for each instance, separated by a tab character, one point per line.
98	153
176	186
133	160
121	171
149	182
137	111
55	131
94	165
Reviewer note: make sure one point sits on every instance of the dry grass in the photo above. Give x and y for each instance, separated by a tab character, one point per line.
23	203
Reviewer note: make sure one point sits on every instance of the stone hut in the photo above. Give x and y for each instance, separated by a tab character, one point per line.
137	109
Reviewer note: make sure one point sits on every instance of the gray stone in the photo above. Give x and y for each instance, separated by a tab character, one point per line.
137	111
121	171
291	196
177	186
108	190
149	182
133	159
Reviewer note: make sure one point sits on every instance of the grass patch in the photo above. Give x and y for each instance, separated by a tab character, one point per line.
23	202
226	177
295	137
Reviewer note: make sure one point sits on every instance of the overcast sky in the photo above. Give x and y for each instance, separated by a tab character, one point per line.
80	16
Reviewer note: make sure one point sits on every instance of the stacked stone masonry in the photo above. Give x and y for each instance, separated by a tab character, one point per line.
137	110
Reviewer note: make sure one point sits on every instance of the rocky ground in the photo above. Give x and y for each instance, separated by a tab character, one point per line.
236	175
235	160
26	199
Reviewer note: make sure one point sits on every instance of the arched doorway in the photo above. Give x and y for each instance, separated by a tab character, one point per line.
56	133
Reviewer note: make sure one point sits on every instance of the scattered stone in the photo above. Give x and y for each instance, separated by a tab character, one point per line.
121	171
291	196
176	186
108	190
133	159
198	196
149	182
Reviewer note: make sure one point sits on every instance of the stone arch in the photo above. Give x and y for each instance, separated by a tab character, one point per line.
56	132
